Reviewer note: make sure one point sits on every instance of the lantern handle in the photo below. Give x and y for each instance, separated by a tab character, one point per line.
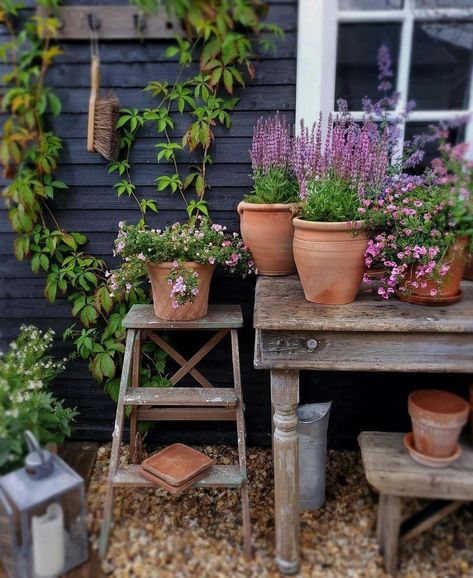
33	446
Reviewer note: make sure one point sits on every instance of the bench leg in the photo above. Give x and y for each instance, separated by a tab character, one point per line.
387	533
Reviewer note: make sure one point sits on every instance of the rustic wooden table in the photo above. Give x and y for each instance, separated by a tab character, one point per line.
368	335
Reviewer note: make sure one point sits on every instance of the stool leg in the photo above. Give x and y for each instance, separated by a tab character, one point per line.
135	382
389	525
116	444
240	419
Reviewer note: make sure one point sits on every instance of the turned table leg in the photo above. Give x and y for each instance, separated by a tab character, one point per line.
285	399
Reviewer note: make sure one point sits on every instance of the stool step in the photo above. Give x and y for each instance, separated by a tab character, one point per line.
181	396
218	477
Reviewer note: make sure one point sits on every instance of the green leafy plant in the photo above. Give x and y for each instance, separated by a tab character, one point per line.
224	33
274	180
29	154
25	402
331	200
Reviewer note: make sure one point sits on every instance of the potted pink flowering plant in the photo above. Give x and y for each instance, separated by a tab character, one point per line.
179	262
266	214
425	227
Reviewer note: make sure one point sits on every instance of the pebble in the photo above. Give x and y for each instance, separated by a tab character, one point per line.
199	533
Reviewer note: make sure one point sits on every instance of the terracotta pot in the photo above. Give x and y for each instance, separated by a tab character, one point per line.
468	274
330	260
161	292
267	231
437	420
450	288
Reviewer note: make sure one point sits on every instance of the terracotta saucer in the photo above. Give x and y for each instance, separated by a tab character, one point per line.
429	460
431	302
177	464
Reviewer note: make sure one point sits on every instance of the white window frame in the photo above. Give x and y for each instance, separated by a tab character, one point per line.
318	22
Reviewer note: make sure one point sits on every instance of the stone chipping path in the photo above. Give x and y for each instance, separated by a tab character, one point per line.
198	534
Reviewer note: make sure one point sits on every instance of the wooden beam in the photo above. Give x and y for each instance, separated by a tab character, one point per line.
426	518
115	23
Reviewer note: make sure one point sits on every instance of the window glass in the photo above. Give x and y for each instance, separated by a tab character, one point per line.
357	71
370	4
456	135
441	65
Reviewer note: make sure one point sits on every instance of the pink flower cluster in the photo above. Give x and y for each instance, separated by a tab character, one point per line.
408	249
359	154
272	144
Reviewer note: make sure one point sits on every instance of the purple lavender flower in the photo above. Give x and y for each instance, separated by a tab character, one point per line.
272	144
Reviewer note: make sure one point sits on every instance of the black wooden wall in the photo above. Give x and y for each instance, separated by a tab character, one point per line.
91	206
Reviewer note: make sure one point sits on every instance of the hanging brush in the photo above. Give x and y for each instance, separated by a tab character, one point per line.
102	134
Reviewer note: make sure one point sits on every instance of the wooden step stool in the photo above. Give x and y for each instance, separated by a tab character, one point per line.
181	403
390	470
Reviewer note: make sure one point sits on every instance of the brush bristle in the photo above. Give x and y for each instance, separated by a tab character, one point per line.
106	141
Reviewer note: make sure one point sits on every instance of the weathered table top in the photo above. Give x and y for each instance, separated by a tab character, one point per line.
370	334
390	469
280	305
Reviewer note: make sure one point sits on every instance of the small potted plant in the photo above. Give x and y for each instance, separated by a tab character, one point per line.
179	261
428	226
266	214
335	176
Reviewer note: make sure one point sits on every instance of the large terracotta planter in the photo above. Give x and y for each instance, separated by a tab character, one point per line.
468	274
437	420
267	231
449	291
161	292
330	260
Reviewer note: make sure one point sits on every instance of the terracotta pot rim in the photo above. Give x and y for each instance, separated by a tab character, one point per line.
327	226
446	419
169	265
266	206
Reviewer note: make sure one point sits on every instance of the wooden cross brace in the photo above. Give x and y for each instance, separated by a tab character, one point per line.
188	366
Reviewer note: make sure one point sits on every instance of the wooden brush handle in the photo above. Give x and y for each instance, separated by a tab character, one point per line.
94	91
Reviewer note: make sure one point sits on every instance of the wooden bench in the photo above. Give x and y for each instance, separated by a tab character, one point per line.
395	475
202	403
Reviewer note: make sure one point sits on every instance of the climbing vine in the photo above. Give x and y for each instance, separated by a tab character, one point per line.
224	32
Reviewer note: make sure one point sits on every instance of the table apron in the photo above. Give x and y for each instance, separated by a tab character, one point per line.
364	351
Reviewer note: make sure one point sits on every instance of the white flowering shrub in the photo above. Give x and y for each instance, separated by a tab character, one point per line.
25	402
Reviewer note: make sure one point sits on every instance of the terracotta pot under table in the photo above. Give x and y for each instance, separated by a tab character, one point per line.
330	260
162	299
267	230
449	291
437	420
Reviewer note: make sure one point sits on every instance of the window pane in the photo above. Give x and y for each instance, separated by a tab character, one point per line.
441	65
370	4
357	71
443	3
456	135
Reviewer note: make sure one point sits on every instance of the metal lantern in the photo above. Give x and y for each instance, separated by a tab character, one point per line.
43	530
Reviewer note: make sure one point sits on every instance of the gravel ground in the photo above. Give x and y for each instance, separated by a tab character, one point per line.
198	534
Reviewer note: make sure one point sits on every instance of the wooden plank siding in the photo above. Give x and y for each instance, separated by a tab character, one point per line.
91	206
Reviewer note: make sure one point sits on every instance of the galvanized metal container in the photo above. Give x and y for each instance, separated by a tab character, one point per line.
312	431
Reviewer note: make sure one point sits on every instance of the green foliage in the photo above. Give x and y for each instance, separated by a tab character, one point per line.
331	200
29	154
25	402
277	185
220	30
224	33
